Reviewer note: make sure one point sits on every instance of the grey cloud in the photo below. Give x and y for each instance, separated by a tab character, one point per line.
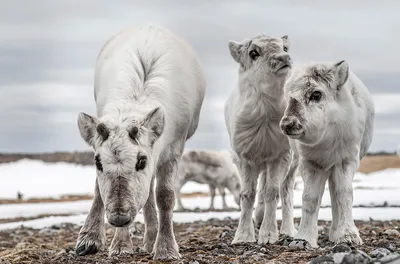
55	44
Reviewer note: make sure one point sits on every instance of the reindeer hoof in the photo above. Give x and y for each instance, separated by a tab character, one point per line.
86	248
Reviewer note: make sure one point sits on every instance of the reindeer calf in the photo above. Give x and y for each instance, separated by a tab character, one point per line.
329	120
252	115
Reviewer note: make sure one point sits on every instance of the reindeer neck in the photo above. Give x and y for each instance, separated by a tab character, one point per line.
271	88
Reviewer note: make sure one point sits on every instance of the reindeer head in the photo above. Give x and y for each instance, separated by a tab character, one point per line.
123	147
313	94
262	57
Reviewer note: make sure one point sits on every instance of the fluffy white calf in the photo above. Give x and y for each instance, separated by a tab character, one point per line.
214	168
329	119
252	115
149	88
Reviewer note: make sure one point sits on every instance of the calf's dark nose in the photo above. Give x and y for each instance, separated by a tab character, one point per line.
289	124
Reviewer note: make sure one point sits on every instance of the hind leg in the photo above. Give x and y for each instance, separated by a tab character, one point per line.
178	187
222	193
212	196
276	172
121	243
343	227
260	207
150	220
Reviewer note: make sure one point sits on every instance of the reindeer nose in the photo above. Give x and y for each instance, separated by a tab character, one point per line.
290	124
119	219
284	58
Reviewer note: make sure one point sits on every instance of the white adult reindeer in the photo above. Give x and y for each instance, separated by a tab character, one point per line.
329	119
252	115
149	88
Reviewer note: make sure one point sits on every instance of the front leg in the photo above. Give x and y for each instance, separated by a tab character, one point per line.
222	193
314	185
276	172
121	243
245	231
166	246
334	206
343	228
150	220
212	196
92	236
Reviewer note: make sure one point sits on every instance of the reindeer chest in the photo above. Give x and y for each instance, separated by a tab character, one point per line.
258	139
328	154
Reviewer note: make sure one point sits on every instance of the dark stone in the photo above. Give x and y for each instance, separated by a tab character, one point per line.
393	258
356	257
341	248
322	260
379	252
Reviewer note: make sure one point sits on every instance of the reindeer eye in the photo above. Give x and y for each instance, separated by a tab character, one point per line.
254	54
141	163
316	96
97	161
285	49
133	133
103	131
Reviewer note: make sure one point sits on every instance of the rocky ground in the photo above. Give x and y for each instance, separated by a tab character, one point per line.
204	242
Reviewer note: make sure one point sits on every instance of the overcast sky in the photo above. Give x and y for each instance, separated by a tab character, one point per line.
48	50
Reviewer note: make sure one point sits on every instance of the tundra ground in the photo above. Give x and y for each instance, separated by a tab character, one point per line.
200	242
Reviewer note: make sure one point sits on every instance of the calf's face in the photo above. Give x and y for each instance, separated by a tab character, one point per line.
123	157
312	96
262	57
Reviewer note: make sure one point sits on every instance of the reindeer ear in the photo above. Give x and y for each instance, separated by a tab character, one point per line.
87	127
234	48
341	72
286	42
155	121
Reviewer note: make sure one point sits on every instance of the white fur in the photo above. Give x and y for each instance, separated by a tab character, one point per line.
334	135
252	115
214	168
149	78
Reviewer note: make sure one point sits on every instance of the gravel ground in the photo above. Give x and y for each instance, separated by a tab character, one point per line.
203	242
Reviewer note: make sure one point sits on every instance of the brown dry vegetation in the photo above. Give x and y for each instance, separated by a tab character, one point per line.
376	163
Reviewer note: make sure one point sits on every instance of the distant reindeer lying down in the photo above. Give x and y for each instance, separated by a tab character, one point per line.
329	119
149	88
208	167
